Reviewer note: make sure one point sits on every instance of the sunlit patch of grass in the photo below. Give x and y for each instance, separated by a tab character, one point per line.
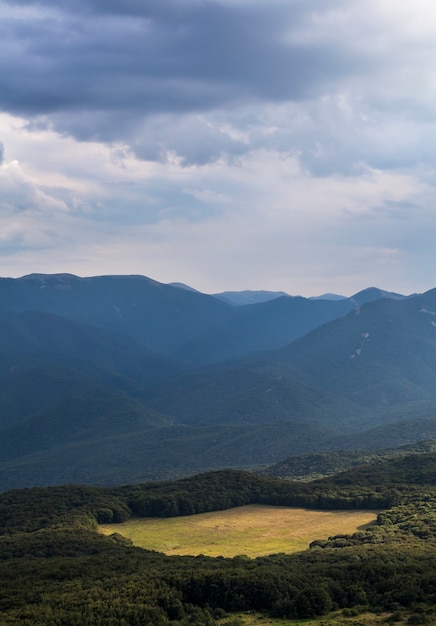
333	619
253	530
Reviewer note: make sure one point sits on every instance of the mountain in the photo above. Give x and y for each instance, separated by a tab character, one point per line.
181	323
241	298
377	366
234	393
108	356
159	316
86	412
373	293
381	355
121	378
262	326
183	286
328	296
61	381
269	325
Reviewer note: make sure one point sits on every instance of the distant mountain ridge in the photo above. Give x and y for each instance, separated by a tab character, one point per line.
178	322
241	298
122	378
328	296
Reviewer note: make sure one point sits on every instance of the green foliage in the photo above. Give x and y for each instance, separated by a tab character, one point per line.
376	486
56	569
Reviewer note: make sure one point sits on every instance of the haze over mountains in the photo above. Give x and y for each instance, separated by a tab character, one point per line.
114	379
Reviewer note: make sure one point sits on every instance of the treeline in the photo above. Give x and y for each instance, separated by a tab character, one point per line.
56	569
31	509
226	489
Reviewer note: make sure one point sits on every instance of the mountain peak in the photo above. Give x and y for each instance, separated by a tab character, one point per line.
240	298
49	277
374	293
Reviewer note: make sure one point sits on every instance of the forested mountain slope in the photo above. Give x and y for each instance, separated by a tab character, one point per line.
381	355
110	368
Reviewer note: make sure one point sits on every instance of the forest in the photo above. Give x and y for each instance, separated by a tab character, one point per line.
57	569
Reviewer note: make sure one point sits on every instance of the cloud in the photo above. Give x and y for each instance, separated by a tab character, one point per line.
340	84
19	194
103	78
234	140
261	220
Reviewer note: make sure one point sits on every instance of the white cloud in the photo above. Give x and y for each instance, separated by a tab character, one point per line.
260	220
284	145
20	194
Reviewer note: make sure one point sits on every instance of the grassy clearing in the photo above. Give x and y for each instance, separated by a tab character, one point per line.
253	530
334	619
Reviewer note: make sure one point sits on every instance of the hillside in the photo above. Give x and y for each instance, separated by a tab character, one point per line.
381	355
108	356
312	466
235	393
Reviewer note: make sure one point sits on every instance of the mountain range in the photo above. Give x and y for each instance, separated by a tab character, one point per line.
113	379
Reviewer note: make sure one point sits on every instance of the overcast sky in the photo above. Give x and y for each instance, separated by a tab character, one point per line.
227	144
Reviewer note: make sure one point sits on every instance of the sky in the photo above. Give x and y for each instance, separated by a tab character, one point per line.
226	144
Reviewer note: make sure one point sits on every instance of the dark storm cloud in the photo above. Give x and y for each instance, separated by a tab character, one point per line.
95	69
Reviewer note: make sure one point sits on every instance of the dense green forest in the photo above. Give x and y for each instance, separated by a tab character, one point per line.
56	569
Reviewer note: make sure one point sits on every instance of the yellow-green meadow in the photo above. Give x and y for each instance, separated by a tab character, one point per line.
253	530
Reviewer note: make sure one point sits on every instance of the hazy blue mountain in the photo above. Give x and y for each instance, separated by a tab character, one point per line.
376	365
60	379
44	406
328	296
262	326
241	298
373	293
159	316
382	354
269	325
85	412
92	388
183	286
235	393
178	322
105	355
